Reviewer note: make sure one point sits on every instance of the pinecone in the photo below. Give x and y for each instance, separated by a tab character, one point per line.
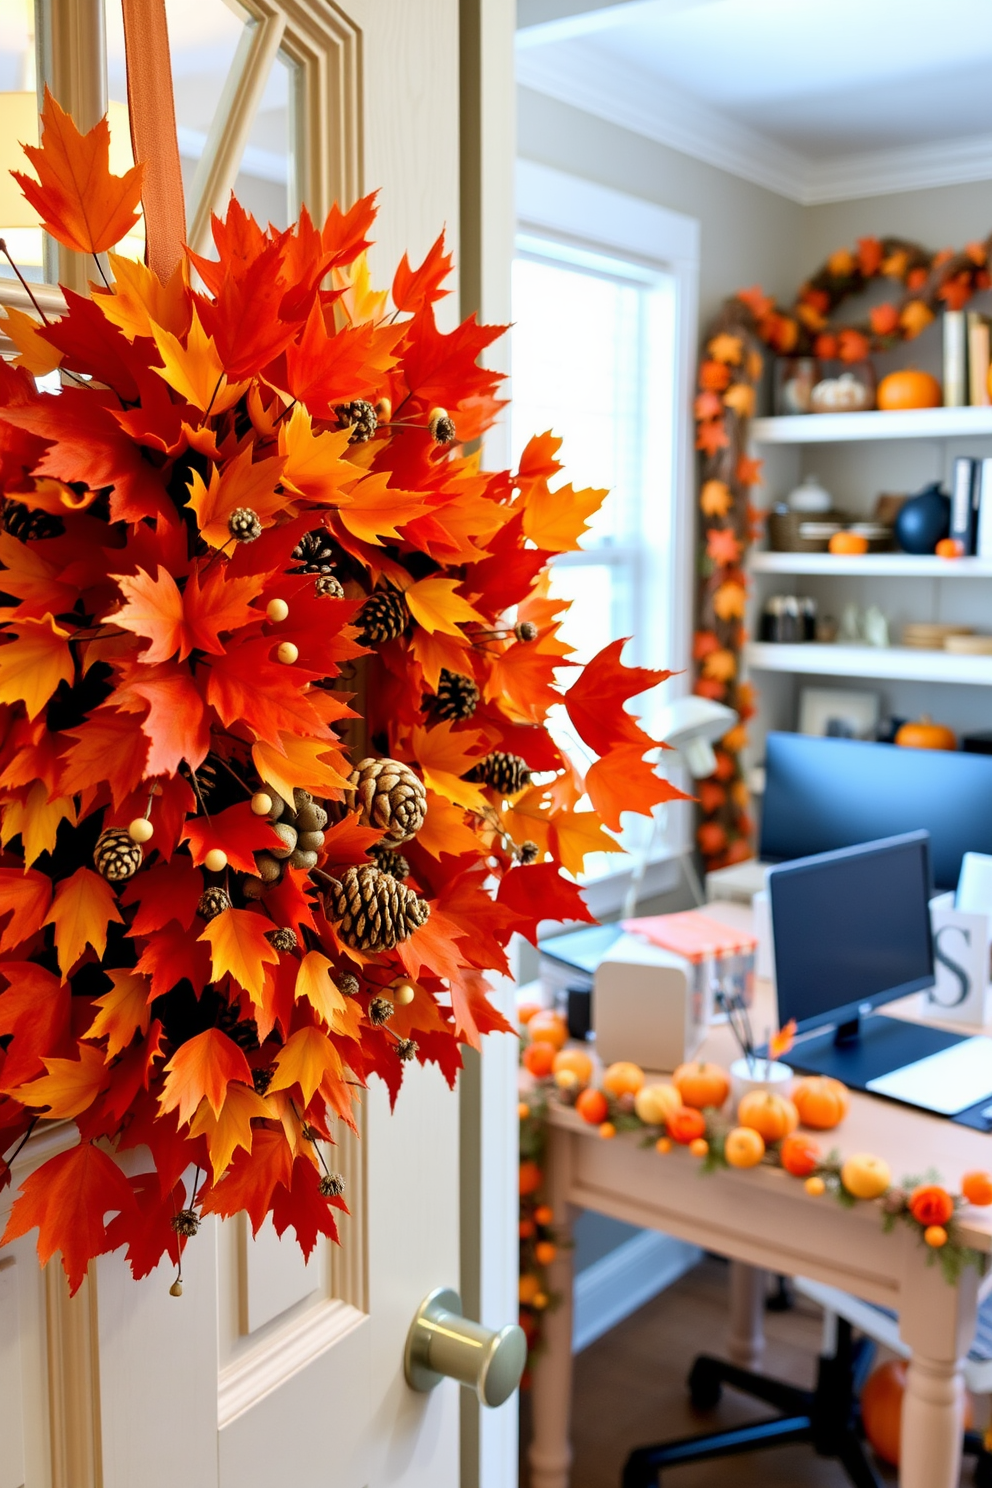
327	586
185	1222
331	1186
362	416
525	630
243	524
407	1048
283	939
244	1031
314	553
261	1079
457	696
527	853
389	796
27	525
506	773
116	856
390	862
212	902
348	984
383	617
381	1009
372	911
441	426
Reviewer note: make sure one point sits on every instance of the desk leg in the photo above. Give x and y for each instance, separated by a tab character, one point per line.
550	1454
746	1336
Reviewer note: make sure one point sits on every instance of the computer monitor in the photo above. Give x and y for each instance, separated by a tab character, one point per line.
822	794
851	930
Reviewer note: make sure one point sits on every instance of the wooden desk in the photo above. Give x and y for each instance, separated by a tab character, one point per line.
763	1218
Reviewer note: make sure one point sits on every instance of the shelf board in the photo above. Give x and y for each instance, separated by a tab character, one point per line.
874	565
843	428
896	662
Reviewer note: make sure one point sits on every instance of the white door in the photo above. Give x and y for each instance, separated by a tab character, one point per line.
267	1370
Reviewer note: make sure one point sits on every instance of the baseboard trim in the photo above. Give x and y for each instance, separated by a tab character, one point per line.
618	1283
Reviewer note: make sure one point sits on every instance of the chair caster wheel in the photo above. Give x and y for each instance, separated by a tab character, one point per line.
705	1388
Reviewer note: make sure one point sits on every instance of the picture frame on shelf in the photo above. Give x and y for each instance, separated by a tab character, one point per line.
838	712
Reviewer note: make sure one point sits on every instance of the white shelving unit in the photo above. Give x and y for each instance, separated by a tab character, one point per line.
857	456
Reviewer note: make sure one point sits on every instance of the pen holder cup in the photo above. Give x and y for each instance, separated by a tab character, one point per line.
744	1078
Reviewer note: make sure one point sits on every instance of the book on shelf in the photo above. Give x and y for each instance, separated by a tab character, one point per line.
979	357
983	545
955	360
965	495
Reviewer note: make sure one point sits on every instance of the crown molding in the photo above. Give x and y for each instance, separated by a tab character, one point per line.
576	74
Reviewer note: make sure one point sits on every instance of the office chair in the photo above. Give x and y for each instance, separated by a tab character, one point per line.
827	1416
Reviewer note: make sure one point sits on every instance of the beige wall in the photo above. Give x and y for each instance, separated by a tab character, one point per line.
748	234
942	217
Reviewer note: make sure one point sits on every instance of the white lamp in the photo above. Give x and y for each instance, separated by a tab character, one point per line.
690	725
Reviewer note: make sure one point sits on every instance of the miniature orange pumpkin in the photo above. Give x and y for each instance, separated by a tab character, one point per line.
623	1078
950	547
774	1116
743	1147
528	1010
799	1155
529	1177
686	1124
977	1188
548	1028
701	1084
539	1059
655	1103
821	1101
865	1176
930	1204
881	1409
593	1106
848	543
925	734
909	388
573	1061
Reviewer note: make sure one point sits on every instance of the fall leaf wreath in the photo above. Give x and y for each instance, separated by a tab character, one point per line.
243	526
729	373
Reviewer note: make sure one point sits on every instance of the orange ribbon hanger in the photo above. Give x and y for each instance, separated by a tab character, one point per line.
152	111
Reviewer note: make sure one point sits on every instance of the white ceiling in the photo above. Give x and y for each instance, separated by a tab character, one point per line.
814	99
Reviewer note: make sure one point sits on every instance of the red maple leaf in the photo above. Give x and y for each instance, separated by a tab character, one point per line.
171	955
167	891
236	831
415	288
722	546
539	892
300	1205
251	1179
147	1229
623	781
595	701
34	1010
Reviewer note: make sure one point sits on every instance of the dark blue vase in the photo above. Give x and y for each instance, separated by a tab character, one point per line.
923	520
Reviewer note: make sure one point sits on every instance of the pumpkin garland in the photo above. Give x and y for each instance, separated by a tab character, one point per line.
729	375
276	659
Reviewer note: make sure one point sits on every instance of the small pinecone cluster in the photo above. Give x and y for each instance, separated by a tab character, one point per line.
301	827
388	861
244	1031
506	773
361	417
27	525
283	939
390	797
315	554
457	696
185	1222
117	856
373	912
243	524
331	1186
384	616
528	852
212	902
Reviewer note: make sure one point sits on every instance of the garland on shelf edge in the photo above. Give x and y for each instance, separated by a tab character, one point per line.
728	377
218	919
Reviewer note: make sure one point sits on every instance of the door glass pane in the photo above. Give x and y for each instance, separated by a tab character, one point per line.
266	184
18	123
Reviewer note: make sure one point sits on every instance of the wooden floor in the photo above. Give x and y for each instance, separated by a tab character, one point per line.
630	1391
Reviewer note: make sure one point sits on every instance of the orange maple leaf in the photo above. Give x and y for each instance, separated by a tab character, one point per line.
194	369
241	483
181	622
79	201
82	908
201	1069
434	604
556	520
230	1128
69	1087
715	498
374	512
28	894
34	663
714	376
123	1012
35	817
720	665
730	601
445	756
757	301
578	833
315	466
712	436
307	1059
238	948
740	397
726	348
308	763
623	781
138	299
315	983
749	470
722	546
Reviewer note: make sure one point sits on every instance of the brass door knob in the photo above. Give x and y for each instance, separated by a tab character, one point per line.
441	1343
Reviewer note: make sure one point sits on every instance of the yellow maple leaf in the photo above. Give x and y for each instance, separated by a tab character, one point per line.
204	1067
195	369
241	483
35	819
730	601
238	948
230	1128
124	1011
82	908
36	355
726	348
306	1059
314	982
33	665
555	520
314	464
445	757
438	652
138	302
360	302
435	605
310	764
444	830
715	498
69	1087
579	833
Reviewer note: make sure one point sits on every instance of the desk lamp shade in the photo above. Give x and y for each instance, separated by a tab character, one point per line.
692	725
